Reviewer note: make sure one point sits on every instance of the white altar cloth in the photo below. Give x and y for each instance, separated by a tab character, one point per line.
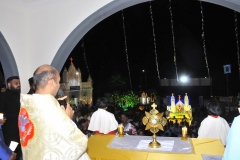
168	144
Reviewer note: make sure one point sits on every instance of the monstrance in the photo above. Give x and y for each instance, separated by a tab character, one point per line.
154	122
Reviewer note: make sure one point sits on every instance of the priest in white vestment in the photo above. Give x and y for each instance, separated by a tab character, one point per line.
214	126
46	130
102	121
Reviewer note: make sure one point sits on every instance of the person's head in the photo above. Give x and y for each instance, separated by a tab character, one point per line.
124	118
140	132
13	83
78	114
85	116
3	88
82	123
46	80
102	103
214	108
31	83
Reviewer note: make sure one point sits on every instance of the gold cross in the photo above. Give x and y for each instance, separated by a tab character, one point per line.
154	105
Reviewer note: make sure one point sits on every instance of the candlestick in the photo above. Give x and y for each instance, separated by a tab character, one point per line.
121	131
184	133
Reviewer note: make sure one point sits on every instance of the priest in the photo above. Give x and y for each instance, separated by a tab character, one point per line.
46	130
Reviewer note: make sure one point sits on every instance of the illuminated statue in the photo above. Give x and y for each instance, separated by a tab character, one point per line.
179	112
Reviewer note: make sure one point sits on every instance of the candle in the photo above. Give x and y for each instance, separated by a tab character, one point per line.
1	115
184	130
120	130
239	109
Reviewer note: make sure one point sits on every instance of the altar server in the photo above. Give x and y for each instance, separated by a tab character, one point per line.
102	121
214	126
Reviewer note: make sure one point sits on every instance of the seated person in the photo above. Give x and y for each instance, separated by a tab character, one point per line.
233	141
214	126
5	152
102	121
140	132
83	126
129	129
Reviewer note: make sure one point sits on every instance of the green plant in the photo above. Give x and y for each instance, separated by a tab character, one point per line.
126	100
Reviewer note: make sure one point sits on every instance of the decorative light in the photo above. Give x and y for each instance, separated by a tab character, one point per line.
126	50
154	40
203	40
143	70
84	56
76	73
173	37
236	33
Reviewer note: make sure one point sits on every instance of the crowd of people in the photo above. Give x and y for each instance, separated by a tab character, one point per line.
45	127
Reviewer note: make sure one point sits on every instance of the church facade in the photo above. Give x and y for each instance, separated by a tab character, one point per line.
78	92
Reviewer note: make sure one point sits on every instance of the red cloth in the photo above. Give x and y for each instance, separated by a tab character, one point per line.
111	132
214	116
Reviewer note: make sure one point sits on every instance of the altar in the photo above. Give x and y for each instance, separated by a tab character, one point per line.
106	147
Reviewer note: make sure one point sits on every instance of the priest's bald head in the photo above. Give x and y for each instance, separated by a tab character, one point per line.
46	79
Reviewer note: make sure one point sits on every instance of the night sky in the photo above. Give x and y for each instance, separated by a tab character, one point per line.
105	49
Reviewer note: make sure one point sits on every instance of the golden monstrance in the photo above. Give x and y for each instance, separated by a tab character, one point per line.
154	122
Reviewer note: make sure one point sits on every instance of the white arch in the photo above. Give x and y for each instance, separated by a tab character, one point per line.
7	59
46	31
76	35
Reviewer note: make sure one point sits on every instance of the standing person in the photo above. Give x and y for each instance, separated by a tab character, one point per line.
102	121
214	126
46	129
3	88
129	129
233	141
5	152
10	106
31	85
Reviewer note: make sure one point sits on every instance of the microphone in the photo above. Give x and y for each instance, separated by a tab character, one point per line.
60	96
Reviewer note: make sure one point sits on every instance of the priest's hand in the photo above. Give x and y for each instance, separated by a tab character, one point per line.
2	121
13	156
69	111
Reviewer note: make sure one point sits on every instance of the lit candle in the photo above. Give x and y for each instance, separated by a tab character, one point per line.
120	129
239	110
1	115
184	130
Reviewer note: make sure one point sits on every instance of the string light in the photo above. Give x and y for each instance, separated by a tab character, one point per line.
203	40
126	51
174	48
154	40
236	33
84	56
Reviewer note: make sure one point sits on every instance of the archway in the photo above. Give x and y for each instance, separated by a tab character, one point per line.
76	35
7	59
